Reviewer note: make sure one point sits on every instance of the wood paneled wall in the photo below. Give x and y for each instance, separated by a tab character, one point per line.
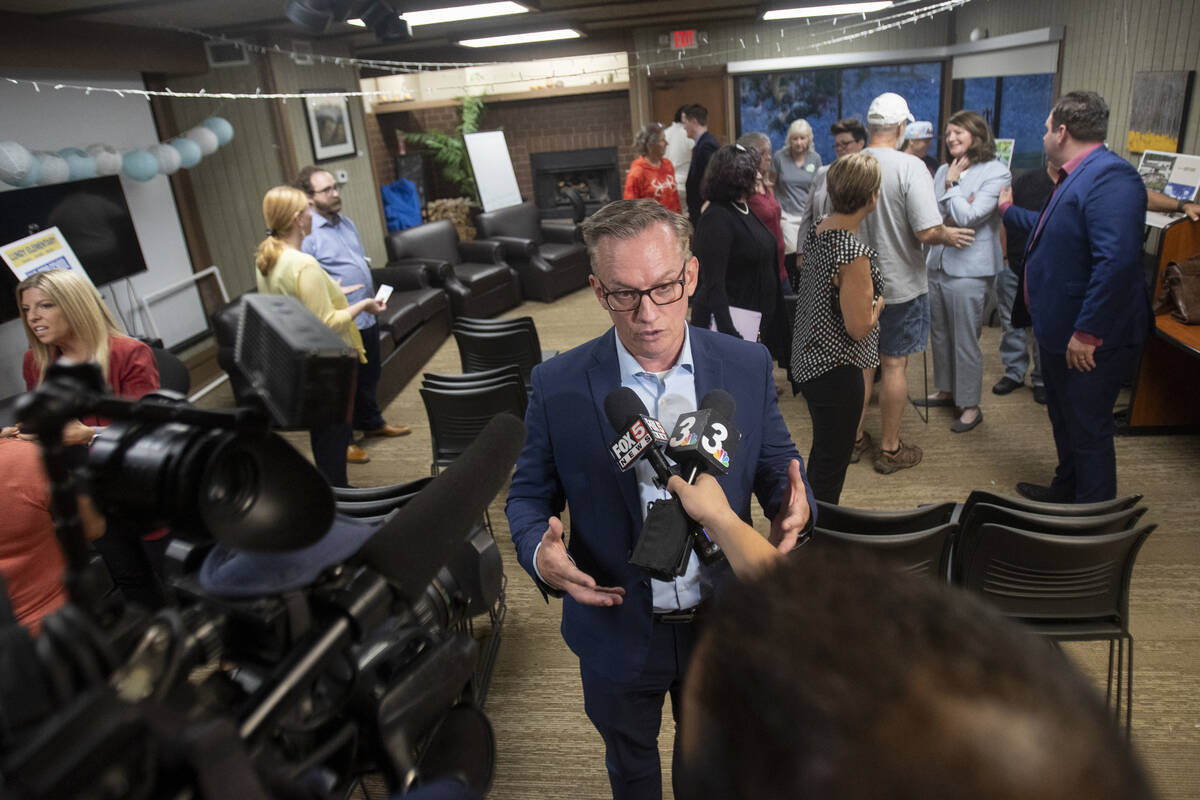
1106	41
270	142
228	186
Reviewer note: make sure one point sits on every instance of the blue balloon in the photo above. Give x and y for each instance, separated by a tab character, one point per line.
189	151
221	127
139	165
81	164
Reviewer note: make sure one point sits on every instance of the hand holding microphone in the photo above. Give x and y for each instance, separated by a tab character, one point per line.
703	442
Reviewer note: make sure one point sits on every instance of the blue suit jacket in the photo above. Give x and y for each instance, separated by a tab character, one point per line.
1083	268
566	461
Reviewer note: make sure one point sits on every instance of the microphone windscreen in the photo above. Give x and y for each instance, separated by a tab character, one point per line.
720	401
423	535
623	406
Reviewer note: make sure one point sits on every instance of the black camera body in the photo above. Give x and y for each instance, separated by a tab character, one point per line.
294	690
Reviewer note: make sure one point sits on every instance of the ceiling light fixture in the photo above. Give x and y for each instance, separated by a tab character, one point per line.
522	38
356	22
436	16
830	10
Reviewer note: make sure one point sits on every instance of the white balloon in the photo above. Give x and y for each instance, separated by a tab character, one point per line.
54	168
168	158
205	138
108	160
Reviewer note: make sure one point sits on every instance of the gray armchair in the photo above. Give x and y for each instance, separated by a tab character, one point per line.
549	256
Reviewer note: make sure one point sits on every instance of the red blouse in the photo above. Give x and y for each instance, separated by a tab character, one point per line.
132	371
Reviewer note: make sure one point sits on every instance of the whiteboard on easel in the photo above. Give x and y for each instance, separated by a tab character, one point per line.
493	168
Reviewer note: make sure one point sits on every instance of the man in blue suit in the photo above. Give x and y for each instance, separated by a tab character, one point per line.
634	635
1086	294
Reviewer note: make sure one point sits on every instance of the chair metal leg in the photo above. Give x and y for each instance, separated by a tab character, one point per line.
1129	693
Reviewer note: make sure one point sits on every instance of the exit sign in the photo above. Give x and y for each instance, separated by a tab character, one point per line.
683	40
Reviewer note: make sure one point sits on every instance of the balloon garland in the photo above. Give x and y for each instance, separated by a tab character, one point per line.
22	167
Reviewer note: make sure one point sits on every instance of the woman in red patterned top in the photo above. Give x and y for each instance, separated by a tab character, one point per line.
652	175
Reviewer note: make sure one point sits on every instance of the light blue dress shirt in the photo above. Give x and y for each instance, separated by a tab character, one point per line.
338	248
666	396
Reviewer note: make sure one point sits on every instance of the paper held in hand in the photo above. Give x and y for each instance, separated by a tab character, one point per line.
747	322
384	293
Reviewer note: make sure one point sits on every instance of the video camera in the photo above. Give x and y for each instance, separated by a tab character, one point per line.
305	649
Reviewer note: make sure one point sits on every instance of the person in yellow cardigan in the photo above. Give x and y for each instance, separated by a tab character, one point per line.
282	268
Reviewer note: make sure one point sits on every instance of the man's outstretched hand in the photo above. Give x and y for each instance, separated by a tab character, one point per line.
559	572
793	513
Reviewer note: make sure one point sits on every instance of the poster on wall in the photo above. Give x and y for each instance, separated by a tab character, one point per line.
329	127
40	252
1004	151
1176	175
1156	115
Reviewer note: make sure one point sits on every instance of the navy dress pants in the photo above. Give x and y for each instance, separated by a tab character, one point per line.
367	416
629	715
1080	405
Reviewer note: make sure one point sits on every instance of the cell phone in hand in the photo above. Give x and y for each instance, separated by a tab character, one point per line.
384	293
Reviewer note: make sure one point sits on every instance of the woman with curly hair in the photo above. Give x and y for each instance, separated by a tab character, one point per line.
737	254
652	175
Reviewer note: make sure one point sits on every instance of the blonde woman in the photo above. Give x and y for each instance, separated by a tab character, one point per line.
795	166
282	268
65	317
652	175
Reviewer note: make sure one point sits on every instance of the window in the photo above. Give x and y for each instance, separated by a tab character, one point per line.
769	102
1015	106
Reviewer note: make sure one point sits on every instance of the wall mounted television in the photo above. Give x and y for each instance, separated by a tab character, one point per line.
93	217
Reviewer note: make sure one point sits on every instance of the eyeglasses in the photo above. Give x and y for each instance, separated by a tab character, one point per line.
333	187
631	299
843	145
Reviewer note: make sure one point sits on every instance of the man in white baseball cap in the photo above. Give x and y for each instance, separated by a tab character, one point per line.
906	218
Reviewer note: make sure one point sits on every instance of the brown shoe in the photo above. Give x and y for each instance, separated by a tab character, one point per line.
861	446
389	430
908	455
356	455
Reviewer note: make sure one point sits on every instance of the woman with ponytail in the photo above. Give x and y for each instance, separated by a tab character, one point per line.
281	268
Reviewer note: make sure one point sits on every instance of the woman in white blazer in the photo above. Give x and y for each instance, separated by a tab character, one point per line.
968	190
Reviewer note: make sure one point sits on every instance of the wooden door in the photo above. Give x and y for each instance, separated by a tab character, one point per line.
708	89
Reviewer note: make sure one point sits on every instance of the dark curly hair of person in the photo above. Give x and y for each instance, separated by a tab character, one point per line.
731	174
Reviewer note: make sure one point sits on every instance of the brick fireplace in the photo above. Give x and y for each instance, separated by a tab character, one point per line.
544	125
594	173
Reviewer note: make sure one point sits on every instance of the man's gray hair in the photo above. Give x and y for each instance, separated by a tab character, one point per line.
625	219
876	129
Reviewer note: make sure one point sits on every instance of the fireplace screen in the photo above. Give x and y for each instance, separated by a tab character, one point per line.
593	174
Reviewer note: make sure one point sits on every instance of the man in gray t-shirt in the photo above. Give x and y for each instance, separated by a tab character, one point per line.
906	218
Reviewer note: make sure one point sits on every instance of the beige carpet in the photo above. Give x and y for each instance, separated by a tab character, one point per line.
548	749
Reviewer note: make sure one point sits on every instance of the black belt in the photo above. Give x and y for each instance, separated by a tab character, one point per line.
682	616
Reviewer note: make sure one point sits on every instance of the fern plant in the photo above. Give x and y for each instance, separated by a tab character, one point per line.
450	150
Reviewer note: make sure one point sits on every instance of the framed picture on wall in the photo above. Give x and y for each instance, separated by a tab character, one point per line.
329	127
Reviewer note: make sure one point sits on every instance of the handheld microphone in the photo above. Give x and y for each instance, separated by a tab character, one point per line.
662	549
704	441
639	434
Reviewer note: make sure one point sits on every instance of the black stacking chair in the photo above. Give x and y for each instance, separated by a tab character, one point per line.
981	514
1072	587
494	325
466	379
172	373
865	521
456	416
487	350
920	552
1056	509
376	501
